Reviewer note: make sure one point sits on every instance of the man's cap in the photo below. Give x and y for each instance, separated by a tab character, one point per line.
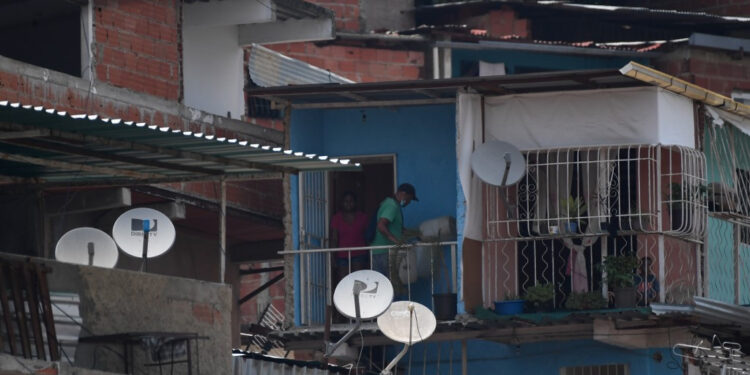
408	189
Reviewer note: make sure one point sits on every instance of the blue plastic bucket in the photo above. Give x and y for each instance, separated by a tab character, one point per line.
509	307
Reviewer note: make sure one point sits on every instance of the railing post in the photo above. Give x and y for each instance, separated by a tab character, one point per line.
454	270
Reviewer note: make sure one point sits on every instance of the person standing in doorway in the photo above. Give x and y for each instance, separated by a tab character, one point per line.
347	231
390	225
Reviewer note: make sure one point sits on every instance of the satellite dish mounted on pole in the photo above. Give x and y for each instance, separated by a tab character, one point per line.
499	163
406	322
144	233
366	286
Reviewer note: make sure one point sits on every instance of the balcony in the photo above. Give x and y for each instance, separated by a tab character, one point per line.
575	207
605	190
417	271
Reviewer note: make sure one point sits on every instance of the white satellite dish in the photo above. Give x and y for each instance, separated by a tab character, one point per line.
406	322
128	232
375	294
395	322
360	295
498	163
87	246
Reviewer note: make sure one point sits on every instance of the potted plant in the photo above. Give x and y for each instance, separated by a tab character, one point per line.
586	301
572	208
540	297
620	273
511	305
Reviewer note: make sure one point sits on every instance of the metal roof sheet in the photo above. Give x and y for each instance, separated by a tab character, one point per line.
439	90
269	68
46	146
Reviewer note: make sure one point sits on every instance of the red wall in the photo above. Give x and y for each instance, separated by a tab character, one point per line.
137	45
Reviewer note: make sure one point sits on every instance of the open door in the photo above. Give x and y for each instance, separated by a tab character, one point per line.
315	267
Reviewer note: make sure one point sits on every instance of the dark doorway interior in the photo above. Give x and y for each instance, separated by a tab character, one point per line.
371	185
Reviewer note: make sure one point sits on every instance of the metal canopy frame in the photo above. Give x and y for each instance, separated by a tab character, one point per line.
41	146
439	91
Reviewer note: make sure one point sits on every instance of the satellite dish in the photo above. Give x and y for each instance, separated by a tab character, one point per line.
87	246
395	322
406	322
360	295
375	294
128	232
498	163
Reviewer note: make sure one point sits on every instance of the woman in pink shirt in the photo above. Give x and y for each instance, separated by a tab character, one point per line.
348	230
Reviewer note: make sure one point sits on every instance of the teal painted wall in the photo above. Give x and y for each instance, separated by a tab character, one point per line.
527	62
487	357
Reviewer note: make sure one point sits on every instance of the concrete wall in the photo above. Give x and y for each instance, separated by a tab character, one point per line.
118	301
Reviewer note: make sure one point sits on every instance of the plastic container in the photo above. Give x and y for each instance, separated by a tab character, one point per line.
511	307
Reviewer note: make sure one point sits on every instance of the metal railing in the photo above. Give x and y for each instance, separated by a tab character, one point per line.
592	191
417	271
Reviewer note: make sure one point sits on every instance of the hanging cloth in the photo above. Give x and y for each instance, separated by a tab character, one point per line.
577	264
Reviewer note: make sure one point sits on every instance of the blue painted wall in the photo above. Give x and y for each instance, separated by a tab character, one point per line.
423	139
525	62
486	357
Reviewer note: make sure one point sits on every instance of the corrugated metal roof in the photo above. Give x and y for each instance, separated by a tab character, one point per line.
437	91
589	8
247	363
269	68
46	146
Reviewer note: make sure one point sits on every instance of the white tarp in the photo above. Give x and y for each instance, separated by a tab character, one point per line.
720	117
642	115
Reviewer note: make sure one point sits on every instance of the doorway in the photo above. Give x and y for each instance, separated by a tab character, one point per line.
371	185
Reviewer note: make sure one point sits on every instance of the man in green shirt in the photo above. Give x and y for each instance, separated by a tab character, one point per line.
390	225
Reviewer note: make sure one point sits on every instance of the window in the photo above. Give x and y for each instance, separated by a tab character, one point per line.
614	369
45	33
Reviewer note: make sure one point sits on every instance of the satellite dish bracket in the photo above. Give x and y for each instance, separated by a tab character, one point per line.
146	229
402	353
90	247
504	189
331	347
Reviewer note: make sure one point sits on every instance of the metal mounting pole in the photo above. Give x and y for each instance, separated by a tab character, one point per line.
146	230
402	353
330	347
90	247
504	191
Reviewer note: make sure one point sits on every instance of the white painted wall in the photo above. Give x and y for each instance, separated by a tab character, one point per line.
227	12
676	119
212	70
212	57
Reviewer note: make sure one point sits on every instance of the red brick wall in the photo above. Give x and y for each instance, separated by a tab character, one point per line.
712	70
358	63
501	22
346	13
250	311
137	45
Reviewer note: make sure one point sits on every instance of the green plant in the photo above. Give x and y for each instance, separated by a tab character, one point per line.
586	301
512	297
540	293
620	270
572	207
678	192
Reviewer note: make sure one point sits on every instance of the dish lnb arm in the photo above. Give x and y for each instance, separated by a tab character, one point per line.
331	347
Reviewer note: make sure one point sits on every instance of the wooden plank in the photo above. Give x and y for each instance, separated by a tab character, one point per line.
33	303
6	310
49	321
18	306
